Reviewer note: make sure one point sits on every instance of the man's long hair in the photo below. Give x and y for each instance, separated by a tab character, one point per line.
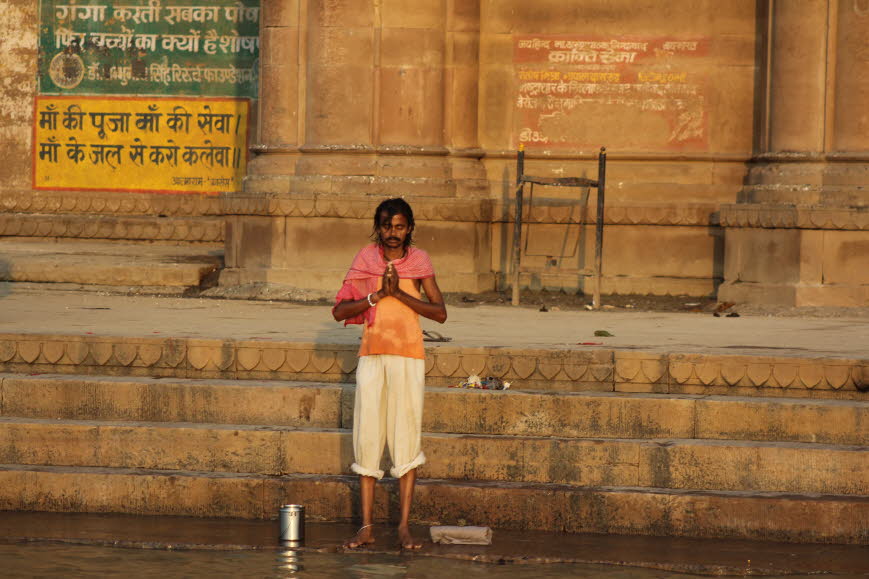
391	208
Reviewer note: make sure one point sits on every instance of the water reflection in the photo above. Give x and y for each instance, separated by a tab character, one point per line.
376	570
290	562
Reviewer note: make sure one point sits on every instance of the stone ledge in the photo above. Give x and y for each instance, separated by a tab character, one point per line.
316	203
690	214
549	507
138	228
791	217
547	370
107	203
351	207
478	210
448	410
272	450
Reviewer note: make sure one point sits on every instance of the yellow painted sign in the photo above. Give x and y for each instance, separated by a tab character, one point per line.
148	144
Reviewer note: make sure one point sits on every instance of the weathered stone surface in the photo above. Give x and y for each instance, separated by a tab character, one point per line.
105	263
131	445
108	203
823	421
511	413
343	113
138	228
96	490
151	400
566	509
677	464
574	415
537	369
798	266
755	466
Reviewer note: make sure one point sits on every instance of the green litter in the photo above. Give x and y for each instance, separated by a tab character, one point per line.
603	334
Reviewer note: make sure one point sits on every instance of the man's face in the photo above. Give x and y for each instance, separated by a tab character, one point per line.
393	230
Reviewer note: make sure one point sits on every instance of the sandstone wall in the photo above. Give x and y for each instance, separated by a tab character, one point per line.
363	99
18	26
663	188
431	101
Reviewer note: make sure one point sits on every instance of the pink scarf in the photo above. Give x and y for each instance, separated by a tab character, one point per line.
368	267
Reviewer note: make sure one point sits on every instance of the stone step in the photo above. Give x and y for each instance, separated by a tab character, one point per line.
175	229
448	410
663	463
108	263
140	353
545	507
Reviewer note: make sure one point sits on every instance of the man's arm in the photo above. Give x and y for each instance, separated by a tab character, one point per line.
349	309
434	309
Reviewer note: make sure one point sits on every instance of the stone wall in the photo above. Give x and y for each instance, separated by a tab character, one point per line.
18	28
364	99
433	106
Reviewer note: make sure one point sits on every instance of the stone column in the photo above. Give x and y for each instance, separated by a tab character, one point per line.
362	100
800	235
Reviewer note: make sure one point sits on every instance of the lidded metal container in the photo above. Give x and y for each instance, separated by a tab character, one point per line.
292	521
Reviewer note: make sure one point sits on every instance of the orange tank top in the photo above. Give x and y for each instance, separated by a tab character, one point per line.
396	328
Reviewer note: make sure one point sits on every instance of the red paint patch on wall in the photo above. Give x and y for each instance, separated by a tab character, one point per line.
629	93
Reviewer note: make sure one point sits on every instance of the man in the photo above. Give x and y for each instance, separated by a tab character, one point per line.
382	292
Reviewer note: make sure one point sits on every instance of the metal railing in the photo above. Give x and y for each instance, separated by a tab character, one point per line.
599	184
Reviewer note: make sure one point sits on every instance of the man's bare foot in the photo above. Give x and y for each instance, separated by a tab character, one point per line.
406	539
364	536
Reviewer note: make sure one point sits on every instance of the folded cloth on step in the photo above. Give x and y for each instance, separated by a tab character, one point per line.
461	535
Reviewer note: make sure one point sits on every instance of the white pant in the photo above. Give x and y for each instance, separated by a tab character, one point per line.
389	397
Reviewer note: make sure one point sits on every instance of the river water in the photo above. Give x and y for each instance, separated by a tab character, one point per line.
63	560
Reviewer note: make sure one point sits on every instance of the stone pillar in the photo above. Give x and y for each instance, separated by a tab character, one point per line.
801	235
362	100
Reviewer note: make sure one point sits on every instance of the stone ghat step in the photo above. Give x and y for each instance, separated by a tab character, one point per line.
672	463
447	410
107	263
557	370
544	507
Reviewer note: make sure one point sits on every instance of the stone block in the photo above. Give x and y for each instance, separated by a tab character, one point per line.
412	14
173	447
799	265
407	47
769	516
820	421
280	48
845	258
525	369
558	460
348	13
280	103
730	131
317	452
640	372
210	358
280	13
340	113
396	167
104	398
627	511
496	115
762	375
260	242
108	491
777	467
411	105
84	355
590	415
